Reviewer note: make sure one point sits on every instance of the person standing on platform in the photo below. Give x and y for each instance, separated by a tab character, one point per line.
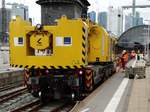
133	55
118	64
124	59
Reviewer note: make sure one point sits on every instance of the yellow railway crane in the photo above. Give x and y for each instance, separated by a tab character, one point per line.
67	58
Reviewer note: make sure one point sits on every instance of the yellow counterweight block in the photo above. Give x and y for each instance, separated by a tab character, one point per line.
62	46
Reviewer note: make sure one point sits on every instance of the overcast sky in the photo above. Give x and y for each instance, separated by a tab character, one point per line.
97	5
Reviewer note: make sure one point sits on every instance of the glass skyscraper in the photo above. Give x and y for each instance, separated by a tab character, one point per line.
92	16
102	19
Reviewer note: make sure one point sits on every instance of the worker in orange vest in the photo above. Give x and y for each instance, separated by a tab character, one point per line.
124	58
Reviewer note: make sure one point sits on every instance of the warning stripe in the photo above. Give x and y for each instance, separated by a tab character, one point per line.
26	66
52	67
82	66
75	67
88	83
83	60
45	67
60	67
68	67
49	67
33	67
83	46
83	29
20	66
83	53
88	79
83	37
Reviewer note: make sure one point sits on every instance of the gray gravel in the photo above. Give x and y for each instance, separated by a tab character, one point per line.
16	102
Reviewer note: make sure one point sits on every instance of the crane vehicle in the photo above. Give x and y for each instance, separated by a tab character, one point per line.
62	60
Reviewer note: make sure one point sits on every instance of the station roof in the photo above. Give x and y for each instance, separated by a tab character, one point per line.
137	35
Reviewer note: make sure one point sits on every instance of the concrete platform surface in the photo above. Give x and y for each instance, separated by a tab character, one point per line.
112	96
5	68
140	95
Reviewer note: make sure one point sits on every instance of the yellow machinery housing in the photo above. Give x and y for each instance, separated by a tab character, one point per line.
98	45
60	46
69	44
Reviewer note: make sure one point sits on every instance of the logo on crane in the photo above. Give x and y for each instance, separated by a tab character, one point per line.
39	41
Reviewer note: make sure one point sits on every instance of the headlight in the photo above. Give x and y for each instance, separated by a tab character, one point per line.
80	72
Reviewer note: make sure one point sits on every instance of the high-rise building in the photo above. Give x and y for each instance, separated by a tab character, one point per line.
16	9
102	19
137	20
140	21
8	17
92	16
21	10
115	21
128	21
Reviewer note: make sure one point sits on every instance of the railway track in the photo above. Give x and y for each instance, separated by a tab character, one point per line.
7	95
11	86
36	106
16	102
65	106
19	100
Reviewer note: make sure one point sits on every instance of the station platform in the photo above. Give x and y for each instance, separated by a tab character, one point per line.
119	94
140	95
5	68
9	76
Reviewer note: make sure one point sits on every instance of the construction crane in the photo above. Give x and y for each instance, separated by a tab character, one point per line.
3	22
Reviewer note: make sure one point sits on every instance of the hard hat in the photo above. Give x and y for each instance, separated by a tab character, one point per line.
132	51
124	51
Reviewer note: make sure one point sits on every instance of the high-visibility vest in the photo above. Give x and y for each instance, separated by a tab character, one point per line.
125	57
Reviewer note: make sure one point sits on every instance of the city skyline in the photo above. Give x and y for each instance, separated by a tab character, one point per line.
14	10
120	24
96	5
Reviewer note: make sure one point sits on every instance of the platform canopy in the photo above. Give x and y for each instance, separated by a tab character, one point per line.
135	37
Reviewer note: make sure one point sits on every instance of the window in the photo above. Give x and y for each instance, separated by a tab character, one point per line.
67	41
20	40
